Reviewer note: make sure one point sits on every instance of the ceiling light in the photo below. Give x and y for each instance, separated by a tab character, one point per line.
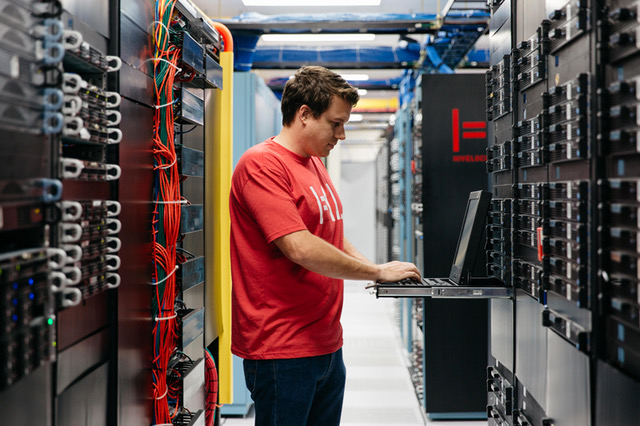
355	117
297	38
323	3
355	77
350	77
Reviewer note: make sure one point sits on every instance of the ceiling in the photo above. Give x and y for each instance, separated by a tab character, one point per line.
230	8
224	10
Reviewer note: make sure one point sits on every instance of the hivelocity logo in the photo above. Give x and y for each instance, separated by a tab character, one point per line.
470	130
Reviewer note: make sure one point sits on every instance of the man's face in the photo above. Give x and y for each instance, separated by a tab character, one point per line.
324	132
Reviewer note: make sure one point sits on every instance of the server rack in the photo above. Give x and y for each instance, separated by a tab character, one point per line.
383	222
562	154
77	212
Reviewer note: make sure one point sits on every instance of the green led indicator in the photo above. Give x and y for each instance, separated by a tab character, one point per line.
50	321
54	343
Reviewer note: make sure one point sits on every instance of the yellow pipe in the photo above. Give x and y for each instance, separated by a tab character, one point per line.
218	166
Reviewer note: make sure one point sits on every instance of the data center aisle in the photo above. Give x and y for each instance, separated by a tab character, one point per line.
379	390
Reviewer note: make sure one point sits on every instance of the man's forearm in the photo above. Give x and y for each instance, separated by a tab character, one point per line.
317	255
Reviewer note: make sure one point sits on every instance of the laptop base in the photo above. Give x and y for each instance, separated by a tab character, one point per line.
478	288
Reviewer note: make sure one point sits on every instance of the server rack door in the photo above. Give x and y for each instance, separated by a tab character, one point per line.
453	164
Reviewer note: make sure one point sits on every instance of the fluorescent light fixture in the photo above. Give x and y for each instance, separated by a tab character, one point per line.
301	3
362	92
351	77
300	38
355	117
355	77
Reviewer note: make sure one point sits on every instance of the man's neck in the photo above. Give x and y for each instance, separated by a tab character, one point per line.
288	139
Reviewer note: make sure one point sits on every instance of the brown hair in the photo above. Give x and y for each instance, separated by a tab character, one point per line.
314	86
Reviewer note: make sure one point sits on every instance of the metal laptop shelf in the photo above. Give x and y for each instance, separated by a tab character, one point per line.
482	288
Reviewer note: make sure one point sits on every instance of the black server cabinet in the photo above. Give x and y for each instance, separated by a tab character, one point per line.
134	388
76	212
618	338
451	161
499	112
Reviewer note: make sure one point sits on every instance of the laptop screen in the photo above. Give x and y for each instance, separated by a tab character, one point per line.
470	240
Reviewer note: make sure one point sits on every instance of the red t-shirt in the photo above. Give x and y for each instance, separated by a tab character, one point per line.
279	309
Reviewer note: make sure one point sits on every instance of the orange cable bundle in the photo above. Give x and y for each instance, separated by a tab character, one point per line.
166	218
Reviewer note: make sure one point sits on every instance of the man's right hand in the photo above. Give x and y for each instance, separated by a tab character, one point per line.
396	271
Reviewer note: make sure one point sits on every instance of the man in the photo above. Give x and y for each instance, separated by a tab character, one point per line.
289	258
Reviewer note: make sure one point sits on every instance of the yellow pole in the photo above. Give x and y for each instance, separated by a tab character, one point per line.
218	166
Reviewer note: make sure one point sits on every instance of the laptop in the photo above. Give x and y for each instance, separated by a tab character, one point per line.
460	283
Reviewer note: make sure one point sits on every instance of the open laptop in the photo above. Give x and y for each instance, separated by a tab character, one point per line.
460	283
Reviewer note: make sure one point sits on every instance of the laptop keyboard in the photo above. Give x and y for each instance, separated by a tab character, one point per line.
410	282
428	281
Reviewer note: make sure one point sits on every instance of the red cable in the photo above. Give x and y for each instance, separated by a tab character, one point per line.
211	386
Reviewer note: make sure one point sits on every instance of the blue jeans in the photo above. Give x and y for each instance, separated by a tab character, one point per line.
298	391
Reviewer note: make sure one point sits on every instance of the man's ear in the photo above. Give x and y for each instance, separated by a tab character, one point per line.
304	113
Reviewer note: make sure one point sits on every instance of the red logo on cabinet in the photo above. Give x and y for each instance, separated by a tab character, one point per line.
470	130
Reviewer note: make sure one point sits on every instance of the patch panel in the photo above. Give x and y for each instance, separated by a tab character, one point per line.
89	111
80	56
85	170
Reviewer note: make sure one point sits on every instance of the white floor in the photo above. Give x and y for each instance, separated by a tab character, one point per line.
379	390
